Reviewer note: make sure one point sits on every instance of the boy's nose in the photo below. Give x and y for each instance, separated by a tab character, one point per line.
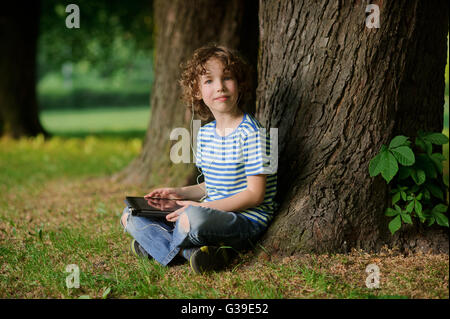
220	87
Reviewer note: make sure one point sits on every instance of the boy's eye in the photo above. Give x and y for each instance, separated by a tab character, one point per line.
208	81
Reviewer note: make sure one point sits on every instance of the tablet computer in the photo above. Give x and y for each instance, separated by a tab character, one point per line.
151	207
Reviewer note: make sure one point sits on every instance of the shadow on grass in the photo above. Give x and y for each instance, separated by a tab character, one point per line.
110	134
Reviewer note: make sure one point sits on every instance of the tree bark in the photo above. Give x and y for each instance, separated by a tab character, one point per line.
181	27
337	90
19	27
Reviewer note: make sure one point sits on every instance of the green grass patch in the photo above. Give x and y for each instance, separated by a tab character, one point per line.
33	161
100	121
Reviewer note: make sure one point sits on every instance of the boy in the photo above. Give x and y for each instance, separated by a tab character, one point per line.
239	187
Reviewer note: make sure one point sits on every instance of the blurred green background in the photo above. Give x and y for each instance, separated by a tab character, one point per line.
95	79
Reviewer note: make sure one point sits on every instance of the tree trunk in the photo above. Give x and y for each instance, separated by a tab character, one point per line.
336	90
19	27
181	27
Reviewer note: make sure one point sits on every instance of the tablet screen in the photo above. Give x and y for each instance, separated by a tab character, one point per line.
153	204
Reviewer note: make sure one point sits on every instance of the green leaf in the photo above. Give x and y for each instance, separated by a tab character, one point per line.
398	141
437	161
436	138
404	155
440	208
421	217
375	166
418	176
431	221
435	190
421	177
395	198
406	218
426	146
439	157
395	224
409	208
441	219
390	212
417	207
389	166
403	194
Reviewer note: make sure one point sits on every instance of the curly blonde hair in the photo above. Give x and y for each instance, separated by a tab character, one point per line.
194	68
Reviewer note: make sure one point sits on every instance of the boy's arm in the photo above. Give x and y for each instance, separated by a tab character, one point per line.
252	196
193	192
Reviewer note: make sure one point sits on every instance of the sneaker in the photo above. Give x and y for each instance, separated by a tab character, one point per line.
208	258
138	251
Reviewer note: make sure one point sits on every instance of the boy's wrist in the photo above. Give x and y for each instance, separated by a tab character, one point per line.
193	192
180	192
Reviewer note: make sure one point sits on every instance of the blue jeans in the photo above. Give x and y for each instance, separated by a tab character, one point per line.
208	227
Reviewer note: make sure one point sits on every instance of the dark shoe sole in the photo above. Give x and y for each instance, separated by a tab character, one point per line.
208	258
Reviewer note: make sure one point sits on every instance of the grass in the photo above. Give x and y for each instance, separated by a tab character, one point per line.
58	206
104	121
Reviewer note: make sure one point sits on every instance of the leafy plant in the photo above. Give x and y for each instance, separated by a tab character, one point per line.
415	173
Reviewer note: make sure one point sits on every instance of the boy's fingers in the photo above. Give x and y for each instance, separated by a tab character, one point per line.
171	219
154	193
171	216
174	215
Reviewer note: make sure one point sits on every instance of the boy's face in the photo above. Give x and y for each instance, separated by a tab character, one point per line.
218	88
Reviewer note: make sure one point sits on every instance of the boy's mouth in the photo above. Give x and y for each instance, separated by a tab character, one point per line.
221	98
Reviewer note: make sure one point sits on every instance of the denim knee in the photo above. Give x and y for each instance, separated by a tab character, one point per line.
196	217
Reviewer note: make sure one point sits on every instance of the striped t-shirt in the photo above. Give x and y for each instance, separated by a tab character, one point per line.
226	161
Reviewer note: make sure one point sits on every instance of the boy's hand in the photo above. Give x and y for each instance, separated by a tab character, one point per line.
165	192
162	204
172	217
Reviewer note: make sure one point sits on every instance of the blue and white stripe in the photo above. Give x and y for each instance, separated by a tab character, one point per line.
227	161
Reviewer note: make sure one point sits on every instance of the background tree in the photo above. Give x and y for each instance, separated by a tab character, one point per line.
38	32
18	37
337	90
181	27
